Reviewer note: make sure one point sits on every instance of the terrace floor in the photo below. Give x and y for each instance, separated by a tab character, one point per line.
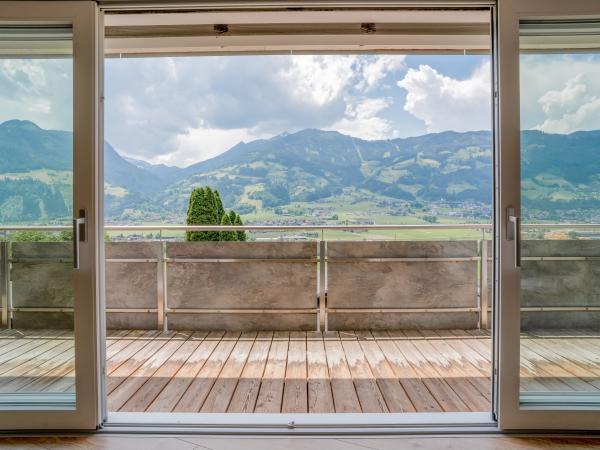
392	371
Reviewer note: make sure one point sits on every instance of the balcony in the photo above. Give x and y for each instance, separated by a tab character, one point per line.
310	326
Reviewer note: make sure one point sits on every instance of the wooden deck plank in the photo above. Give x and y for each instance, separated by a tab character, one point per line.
580	352
270	395
439	388
246	391
26	373
168	398
26	355
122	393
320	397
63	369
295	392
562	368
343	372
345	398
532	368
199	388
23	346
126	362
454	372
414	387
369	395
220	395
119	344
126	352
393	393
147	393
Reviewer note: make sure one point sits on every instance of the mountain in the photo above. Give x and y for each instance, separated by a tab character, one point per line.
313	164
164	172
558	171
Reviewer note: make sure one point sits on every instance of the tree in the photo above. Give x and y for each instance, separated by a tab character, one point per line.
241	234
199	213
212	209
219	204
206	208
227	235
232	217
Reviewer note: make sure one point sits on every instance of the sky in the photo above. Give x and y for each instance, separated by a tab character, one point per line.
182	110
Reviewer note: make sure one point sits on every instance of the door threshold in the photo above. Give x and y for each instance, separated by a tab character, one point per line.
332	423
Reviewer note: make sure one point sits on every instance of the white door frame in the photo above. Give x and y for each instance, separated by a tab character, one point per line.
513	415
83	16
280	423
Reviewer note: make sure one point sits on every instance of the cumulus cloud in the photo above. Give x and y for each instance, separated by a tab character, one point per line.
446	103
559	92
209	142
376	68
183	109
319	79
575	107
39	90
361	119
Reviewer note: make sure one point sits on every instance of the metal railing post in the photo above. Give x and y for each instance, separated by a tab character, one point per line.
160	289
162	280
4	280
483	286
322	287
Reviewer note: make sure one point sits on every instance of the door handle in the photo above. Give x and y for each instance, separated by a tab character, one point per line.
514	234
78	236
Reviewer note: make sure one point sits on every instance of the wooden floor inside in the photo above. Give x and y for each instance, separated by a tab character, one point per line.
271	372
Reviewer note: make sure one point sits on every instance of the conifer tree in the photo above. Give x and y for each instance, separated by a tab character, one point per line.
241	234
220	209
227	235
194	214
212	213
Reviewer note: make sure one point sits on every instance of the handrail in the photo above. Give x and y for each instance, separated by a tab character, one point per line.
254	227
169	227
174	227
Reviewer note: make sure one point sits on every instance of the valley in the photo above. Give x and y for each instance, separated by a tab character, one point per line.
311	177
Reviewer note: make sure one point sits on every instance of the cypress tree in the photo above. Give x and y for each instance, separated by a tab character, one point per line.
227	235
212	213
241	234
194	214
219	204
232	216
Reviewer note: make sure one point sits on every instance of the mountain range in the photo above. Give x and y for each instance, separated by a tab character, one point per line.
558	171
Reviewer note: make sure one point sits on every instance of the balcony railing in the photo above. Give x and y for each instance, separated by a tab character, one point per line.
319	284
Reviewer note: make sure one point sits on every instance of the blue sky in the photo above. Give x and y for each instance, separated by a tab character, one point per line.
182	110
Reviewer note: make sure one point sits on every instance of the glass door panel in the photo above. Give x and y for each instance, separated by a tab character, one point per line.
37	364
48	323
560	212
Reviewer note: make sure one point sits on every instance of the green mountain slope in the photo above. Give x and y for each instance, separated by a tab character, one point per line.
559	172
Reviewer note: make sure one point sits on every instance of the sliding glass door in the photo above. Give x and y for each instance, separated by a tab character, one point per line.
48	355
549	214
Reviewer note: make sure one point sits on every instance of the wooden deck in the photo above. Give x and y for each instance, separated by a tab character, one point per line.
270	372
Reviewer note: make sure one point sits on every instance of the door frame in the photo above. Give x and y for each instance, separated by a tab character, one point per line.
306	423
83	16
511	414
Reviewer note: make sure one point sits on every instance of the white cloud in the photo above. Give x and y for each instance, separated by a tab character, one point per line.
319	79
445	103
570	96
559	92
199	144
377	68
175	106
39	90
575	107
361	119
